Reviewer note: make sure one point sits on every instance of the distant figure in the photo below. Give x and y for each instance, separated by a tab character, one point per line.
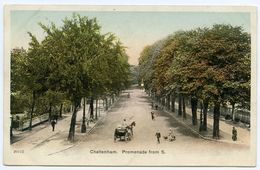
128	95
234	134
156	107
152	105
158	136
152	114
124	124
171	136
53	122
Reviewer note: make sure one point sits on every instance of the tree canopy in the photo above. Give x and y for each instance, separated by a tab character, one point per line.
209	64
71	62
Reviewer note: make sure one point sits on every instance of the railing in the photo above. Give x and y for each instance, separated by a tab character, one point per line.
24	124
239	114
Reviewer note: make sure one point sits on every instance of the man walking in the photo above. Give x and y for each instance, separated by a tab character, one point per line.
152	114
53	124
158	136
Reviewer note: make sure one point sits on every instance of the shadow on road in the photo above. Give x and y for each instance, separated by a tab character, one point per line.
180	128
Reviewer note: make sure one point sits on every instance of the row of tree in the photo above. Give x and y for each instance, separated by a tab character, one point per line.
209	66
72	62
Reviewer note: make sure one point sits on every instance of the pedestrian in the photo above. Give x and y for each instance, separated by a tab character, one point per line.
152	114
53	122
234	134
158	136
171	136
124	124
156	107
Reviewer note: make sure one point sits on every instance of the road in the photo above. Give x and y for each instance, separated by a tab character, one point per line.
98	147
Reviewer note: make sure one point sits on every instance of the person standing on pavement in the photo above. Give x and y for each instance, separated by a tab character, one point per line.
53	122
158	136
234	134
152	114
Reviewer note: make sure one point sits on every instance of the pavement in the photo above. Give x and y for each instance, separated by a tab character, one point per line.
42	134
97	147
225	127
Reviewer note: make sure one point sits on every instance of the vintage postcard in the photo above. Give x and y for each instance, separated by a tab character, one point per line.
129	85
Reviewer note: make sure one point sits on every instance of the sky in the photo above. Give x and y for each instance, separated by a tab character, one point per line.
134	29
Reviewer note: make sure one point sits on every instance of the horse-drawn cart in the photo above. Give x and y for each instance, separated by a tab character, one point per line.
122	133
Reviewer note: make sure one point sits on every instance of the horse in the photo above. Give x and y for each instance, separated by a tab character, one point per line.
130	127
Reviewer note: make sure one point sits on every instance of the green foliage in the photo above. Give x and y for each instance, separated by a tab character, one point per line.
134	74
71	62
147	64
210	63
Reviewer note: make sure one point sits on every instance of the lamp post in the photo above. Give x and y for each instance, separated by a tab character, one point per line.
11	129
201	117
83	126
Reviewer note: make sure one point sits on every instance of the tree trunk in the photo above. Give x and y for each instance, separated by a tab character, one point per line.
11	130
113	98
71	108
96	110
106	103
205	113
168	102
91	105
216	120
50	111
180	106
232	111
183	107
32	110
201	119
83	126
73	121
173	103
194	103
61	107
110	101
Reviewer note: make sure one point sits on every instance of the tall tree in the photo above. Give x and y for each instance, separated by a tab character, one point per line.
223	48
77	50
209	64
